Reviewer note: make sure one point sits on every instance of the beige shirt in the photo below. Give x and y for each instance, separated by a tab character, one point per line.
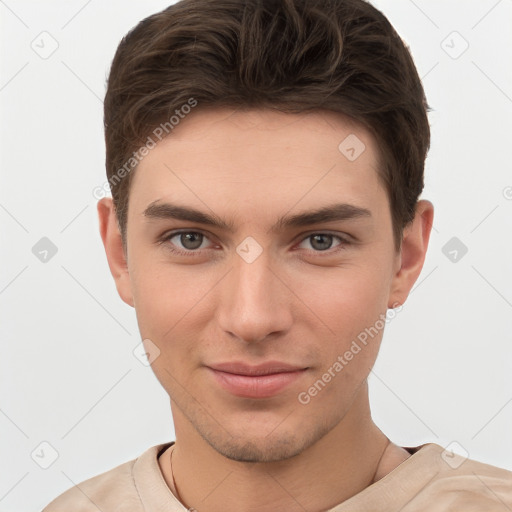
424	482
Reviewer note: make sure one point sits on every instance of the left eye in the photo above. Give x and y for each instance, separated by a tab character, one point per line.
322	241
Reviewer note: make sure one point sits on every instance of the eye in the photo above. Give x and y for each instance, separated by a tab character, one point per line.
322	242
184	242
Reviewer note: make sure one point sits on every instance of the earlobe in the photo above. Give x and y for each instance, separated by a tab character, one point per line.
112	241
413	252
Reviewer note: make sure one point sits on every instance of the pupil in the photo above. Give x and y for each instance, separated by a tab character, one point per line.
187	239
323	243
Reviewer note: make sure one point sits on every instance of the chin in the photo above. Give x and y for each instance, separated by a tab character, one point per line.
280	445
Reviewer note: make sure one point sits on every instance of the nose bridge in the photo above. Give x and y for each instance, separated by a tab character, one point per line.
254	301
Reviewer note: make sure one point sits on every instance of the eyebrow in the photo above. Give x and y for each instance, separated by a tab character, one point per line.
330	213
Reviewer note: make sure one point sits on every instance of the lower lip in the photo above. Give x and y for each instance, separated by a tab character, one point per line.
259	386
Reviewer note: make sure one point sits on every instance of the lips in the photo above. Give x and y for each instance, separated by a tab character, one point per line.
260	381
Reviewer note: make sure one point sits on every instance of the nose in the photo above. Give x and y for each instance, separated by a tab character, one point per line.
255	301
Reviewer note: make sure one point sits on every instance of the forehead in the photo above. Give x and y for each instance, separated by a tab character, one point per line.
259	157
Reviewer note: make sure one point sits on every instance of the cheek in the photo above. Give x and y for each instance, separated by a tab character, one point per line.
168	301
351	303
171	303
348	298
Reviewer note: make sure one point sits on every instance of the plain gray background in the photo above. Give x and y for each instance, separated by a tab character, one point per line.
69	378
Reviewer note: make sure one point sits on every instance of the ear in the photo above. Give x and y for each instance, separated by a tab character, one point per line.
113	244
412	254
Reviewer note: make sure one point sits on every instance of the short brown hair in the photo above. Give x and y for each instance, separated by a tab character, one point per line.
289	55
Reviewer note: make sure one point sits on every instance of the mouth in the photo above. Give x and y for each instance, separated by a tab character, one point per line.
261	381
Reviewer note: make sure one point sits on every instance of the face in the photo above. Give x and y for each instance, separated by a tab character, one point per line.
249	297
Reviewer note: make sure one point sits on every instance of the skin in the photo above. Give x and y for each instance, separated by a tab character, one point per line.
298	302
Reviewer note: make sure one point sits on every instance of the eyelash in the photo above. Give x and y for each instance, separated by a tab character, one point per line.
167	237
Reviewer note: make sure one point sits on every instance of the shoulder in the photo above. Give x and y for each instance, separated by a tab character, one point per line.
433	479
455	483
112	491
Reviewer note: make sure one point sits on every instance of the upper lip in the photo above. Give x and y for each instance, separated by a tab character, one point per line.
268	368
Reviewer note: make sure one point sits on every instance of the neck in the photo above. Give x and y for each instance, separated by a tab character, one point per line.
338	466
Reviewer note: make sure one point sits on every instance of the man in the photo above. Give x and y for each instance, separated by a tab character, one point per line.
266	160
